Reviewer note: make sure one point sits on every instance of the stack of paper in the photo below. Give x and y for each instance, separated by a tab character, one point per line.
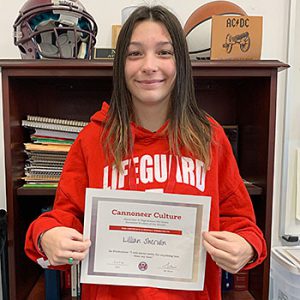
51	141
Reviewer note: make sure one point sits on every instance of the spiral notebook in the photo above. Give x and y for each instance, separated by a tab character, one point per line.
51	126
56	121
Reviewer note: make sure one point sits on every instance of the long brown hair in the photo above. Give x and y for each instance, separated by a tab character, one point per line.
188	125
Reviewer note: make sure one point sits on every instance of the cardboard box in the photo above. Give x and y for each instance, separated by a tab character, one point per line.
115	30
236	37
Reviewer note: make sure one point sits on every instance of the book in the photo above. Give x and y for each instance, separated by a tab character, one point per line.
52	284
232	133
51	126
240	281
55	134
67	279
78	280
40	185
47	148
52	277
48	140
45	155
41	178
56	121
41	168
40	172
227	281
74	278
44	163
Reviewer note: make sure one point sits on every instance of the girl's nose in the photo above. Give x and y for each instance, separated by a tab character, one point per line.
150	64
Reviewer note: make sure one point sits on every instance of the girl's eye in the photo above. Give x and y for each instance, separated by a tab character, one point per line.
134	53
166	53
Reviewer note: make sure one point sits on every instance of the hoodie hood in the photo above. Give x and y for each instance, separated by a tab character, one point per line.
139	133
100	115
142	139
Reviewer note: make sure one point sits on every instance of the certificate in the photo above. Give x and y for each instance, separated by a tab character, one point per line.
145	239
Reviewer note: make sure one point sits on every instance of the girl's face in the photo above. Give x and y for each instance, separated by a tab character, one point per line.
150	68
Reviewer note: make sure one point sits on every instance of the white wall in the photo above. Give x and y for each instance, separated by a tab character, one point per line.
275	41
275	19
290	204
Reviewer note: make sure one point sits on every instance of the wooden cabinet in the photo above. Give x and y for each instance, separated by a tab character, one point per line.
233	92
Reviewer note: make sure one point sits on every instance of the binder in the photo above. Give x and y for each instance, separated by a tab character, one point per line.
52	277
52	284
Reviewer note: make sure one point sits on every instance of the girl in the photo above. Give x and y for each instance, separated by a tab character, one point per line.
153	121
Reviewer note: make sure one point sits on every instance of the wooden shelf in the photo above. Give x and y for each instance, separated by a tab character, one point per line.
253	190
38	293
36	191
233	92
237	295
38	290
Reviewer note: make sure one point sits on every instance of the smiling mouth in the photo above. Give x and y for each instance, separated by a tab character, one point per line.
152	81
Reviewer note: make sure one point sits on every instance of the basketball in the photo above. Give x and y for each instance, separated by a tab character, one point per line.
198	26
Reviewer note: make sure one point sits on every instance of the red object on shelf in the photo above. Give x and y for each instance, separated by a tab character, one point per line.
240	281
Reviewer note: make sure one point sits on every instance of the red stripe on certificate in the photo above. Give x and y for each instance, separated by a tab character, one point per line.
145	229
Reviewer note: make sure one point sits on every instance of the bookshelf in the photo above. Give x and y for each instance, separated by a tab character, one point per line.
242	93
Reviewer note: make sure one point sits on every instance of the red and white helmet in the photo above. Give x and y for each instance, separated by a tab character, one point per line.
54	29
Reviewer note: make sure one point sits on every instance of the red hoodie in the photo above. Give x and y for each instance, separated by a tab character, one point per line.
86	166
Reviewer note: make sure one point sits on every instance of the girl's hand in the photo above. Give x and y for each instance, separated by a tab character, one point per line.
61	243
230	251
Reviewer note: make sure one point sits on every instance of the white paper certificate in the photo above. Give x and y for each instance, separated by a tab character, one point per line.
145	239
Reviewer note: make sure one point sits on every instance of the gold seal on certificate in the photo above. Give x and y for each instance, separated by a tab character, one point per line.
145	239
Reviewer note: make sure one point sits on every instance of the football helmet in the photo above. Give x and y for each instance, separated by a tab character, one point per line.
54	29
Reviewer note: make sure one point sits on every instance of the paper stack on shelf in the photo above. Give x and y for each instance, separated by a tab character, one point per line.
51	141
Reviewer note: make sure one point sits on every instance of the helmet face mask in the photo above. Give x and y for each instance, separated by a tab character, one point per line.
54	29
